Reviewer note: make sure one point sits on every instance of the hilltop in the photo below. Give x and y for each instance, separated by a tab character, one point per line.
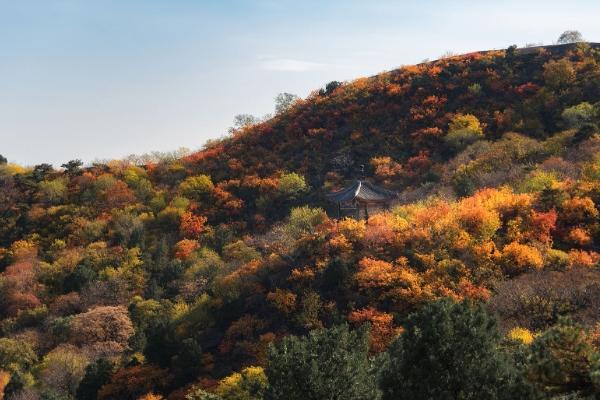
188	276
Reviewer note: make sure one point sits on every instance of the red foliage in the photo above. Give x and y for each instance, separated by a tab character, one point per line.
542	225
18	301
132	382
191	226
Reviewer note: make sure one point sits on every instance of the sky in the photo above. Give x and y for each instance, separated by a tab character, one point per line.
100	79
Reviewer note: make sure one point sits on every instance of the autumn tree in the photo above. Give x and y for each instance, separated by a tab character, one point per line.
248	384
132	382
326	364
382	327
450	351
559	74
106	325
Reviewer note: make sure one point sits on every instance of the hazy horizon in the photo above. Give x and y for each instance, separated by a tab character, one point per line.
97	80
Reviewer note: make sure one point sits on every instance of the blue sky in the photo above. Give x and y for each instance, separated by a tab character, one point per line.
96	79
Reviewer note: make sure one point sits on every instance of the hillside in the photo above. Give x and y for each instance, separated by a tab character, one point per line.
181	277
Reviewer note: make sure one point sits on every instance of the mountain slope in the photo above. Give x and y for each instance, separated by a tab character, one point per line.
118	280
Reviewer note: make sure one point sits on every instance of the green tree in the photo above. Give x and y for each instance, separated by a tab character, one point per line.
197	187
16	355
579	115
327	364
73	167
54	191
304	220
96	375
562	360
464	129
291	185
450	351
17	358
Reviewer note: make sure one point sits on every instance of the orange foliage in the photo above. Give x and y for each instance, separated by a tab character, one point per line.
382	327
151	396
478	220
283	300
191	226
579	236
301	275
184	248
4	379
468	289
583	259
385	167
578	209
375	273
340	243
380	230
397	282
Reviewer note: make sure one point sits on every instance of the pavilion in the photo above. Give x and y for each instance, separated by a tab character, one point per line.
356	199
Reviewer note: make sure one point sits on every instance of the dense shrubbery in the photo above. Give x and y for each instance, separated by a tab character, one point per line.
219	276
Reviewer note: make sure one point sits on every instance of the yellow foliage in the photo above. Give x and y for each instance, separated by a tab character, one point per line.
518	258
247	385
23	250
478	220
340	243
354	230
521	335
151	396
465	121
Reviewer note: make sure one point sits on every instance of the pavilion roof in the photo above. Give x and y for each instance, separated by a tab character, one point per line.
363	191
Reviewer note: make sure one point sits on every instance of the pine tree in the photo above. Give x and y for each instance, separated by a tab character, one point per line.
449	351
328	364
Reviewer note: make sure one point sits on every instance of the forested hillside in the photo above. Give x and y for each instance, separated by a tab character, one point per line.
220	275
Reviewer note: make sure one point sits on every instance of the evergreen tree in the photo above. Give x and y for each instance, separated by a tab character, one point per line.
563	361
449	351
96	375
328	364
